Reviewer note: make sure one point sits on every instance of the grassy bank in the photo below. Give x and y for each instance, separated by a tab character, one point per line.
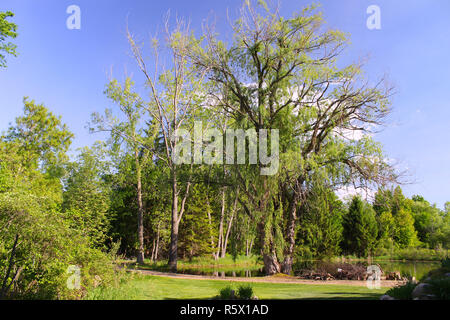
139	287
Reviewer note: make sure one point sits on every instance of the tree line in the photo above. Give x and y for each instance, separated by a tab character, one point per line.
128	195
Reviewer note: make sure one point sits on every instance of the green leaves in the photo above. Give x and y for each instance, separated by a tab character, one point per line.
42	139
7	30
87	194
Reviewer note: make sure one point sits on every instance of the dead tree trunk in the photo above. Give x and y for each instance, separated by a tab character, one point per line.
222	216
173	247
177	214
230	223
140	254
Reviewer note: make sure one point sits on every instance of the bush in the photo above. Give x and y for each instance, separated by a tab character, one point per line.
440	288
45	246
226	293
245	292
402	292
445	264
420	254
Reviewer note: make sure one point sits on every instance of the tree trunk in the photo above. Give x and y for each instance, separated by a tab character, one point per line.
157	243
152	258
173	247
222	215
271	264
140	253
246	247
230	223
290	235
4	289
210	225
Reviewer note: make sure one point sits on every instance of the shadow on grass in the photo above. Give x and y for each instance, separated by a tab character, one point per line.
333	296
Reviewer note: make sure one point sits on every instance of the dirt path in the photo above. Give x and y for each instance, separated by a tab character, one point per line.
267	279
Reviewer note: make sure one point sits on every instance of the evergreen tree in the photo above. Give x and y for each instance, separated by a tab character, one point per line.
360	228
195	234
320	231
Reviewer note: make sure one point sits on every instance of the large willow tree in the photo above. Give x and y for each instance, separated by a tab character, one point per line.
282	74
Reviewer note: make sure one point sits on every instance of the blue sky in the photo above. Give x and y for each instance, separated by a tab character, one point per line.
67	69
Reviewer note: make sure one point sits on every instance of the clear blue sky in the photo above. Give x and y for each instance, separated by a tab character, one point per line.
67	69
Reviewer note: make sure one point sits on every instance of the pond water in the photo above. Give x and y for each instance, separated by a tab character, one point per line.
220	273
417	269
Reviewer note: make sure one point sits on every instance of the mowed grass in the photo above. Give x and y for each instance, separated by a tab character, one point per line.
141	287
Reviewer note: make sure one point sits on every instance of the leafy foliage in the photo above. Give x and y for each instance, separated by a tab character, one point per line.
441	288
402	292
7	30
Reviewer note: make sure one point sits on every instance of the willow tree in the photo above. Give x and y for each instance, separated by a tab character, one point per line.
281	73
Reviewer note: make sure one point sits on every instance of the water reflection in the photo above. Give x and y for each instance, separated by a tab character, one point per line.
224	274
417	269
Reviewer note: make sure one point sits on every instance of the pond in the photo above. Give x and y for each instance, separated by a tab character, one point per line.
238	272
417	269
408	269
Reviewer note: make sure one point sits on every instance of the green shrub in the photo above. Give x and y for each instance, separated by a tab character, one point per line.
226	293
445	264
440	288
402	292
245	292
47	246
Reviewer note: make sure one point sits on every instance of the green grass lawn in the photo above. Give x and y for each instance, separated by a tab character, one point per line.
140	287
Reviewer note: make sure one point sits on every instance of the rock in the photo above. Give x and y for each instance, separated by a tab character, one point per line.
422	291
386	297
